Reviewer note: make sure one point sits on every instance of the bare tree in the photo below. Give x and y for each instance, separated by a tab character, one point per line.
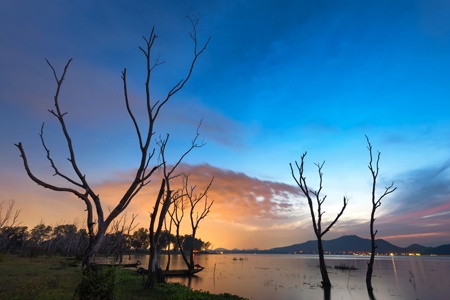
177	216
162	204
8	215
300	179
191	199
168	235
78	184
376	202
8	219
121	230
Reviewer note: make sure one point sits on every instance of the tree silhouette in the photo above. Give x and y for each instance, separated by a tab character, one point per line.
162	204
8	219
78	184
188	199
300	179
376	202
139	239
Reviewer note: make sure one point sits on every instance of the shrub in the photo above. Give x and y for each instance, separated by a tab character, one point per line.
97	284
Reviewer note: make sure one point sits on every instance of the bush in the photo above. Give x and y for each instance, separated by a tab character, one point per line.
97	284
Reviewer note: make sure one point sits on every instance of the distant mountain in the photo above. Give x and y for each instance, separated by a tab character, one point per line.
416	248
440	250
341	245
347	244
221	250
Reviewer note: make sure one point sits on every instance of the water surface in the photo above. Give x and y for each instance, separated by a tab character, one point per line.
270	276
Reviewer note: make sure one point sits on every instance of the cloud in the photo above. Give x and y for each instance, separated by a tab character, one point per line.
419	208
246	200
421	190
247	211
241	200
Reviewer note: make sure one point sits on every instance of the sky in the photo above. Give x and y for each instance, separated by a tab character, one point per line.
278	78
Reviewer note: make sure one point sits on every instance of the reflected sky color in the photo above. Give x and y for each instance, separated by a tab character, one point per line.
279	78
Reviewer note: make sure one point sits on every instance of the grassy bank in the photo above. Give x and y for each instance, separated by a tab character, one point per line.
58	278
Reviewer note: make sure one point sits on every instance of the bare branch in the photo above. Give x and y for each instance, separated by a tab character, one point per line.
177	87
337	217
52	163
130	112
10	217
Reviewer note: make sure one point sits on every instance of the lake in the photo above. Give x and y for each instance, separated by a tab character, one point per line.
271	276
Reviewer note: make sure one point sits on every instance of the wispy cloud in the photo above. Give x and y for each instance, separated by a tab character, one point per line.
421	192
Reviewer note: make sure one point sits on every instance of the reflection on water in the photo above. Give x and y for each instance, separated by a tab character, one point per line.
270	276
394	268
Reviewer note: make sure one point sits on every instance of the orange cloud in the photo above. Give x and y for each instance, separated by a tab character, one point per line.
245	209
239	199
414	235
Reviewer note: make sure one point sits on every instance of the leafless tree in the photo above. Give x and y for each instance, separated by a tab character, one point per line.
121	230
315	196
162	204
8	219
78	184
376	202
189	200
177	214
168	234
8	215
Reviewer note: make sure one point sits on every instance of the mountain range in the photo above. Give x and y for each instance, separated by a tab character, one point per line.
348	244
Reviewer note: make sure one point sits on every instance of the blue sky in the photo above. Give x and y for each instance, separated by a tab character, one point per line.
278	78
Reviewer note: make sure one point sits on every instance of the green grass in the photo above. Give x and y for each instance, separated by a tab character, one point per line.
56	278
37	278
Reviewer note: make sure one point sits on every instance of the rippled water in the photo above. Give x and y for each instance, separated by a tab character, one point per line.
270	276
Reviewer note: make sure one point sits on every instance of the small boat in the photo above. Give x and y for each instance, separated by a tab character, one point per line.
130	265
174	273
181	273
134	265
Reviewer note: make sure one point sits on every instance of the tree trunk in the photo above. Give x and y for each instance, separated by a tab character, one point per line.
327	292
371	294
191	252
152	265
92	250
323	268
373	250
168	256
370	266
191	259
155	274
180	245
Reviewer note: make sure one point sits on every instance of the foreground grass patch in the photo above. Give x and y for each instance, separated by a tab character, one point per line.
57	278
37	278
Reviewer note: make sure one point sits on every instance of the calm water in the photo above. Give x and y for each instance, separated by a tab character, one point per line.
270	276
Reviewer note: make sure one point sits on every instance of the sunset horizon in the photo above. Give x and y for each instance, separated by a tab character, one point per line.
276	80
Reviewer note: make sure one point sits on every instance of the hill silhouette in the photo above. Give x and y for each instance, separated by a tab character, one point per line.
348	244
341	245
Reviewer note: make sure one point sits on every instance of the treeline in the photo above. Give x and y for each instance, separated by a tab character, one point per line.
69	240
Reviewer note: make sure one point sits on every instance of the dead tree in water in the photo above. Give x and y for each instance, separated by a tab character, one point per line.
300	179
189	200
162	204
375	204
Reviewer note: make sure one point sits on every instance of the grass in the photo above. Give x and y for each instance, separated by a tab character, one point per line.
56	278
